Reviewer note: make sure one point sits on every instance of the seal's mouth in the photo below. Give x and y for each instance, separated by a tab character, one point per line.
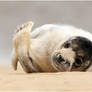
60	63
65	66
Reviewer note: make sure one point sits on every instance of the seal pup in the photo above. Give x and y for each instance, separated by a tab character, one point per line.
51	48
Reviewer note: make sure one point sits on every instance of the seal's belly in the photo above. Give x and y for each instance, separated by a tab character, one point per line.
39	54
42	47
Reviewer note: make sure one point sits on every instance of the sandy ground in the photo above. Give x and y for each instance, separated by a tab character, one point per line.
40	82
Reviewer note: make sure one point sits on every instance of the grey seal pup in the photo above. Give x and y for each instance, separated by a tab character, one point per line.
52	48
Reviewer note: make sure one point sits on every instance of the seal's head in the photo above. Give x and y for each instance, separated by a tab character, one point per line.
73	55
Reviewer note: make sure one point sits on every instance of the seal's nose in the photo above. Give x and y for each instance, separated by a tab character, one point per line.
59	58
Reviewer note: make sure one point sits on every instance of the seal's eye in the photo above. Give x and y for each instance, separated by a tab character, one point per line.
78	62
67	45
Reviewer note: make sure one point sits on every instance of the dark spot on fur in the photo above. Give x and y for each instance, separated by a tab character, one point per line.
85	45
84	51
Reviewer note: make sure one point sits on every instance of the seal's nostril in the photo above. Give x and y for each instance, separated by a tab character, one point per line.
59	58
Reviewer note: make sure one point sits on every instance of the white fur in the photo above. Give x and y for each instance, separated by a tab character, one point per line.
45	40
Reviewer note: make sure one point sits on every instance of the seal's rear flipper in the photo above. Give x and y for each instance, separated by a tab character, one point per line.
21	47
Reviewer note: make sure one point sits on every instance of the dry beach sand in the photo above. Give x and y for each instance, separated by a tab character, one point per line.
11	80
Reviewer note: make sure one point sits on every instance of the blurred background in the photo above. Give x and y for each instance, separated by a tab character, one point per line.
12	14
